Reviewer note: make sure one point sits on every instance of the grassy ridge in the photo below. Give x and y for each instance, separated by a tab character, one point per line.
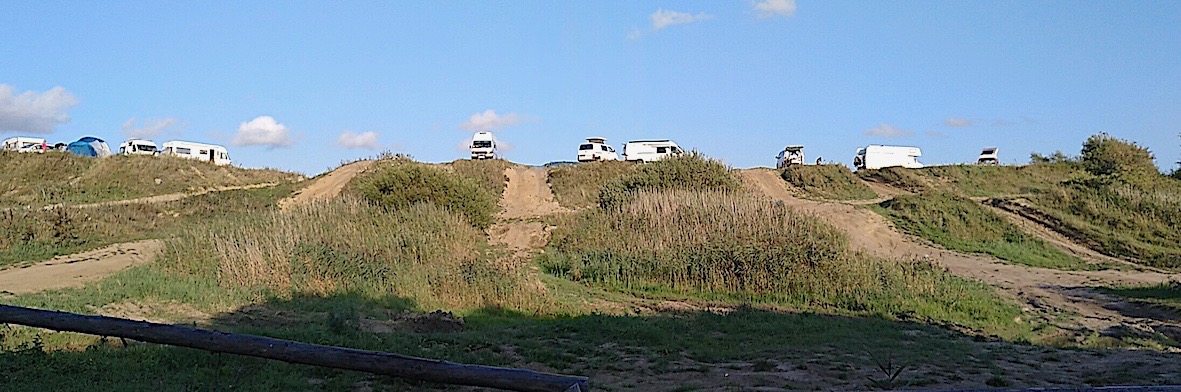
488	172
578	186
401	183
833	182
962	225
691	171
56	177
978	180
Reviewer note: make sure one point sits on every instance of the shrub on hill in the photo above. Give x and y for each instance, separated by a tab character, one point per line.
489	173
835	182
1104	155
397	184
690	171
578	186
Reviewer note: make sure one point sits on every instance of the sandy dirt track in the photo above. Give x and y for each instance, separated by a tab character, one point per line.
527	198
327	187
77	269
1041	289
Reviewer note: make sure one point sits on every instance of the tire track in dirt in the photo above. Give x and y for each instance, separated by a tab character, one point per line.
526	200
1043	290
77	269
327	187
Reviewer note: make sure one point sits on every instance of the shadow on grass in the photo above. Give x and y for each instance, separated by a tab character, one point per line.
740	349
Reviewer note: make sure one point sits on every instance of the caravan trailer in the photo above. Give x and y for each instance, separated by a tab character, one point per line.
877	157
596	149
138	147
211	153
24	144
483	146
791	155
650	150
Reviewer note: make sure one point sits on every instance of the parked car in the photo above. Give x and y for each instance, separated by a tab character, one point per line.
791	155
596	149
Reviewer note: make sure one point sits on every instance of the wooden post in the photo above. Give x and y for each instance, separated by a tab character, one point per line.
295	352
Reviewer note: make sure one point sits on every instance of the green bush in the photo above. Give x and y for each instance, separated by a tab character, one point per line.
691	171
835	182
1104	155
578	186
488	172
397	184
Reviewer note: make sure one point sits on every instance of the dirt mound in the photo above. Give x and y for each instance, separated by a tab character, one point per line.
77	269
527	198
328	186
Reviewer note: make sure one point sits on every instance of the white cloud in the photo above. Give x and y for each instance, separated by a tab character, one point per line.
148	128
772	8
34	112
350	139
663	18
958	122
888	131
634	33
263	131
490	121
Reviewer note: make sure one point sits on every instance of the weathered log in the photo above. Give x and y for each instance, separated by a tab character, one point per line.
296	352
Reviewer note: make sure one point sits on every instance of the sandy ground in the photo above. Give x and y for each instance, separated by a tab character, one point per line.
77	269
326	187
527	200
1044	290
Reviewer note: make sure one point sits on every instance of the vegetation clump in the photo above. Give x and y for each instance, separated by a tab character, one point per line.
397	184
489	173
578	186
834	182
691	171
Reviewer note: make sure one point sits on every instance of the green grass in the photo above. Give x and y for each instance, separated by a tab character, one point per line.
401	183
833	182
691	171
978	180
962	225
578	186
488	172
56	177
1166	295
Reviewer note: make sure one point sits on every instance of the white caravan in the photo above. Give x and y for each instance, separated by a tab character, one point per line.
483	146
138	147
24	144
877	157
791	155
596	149
211	153
988	156
650	150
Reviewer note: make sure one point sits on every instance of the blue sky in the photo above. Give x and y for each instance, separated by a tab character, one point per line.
279	82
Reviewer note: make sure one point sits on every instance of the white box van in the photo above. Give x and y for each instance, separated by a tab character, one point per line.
791	155
483	146
596	149
138	147
877	157
988	156
211	153
24	144
650	150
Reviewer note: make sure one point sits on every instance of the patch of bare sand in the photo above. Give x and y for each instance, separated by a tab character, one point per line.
77	269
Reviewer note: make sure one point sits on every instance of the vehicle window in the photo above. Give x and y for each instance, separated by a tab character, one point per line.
482	144
661	150
586	147
146	148
182	150
203	152
611	149
603	147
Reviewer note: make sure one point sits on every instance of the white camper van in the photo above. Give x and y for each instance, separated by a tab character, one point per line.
650	150
877	157
24	144
138	147
988	156
596	149
483	146
791	155
211	153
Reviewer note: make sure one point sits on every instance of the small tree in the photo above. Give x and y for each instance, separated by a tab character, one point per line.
1104	155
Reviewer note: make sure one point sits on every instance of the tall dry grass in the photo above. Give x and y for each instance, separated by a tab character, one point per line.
835	182
420	252
578	186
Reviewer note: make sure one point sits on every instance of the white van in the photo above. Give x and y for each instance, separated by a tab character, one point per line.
483	146
596	149
791	155
650	150
211	153
988	156
138	147
24	144
877	157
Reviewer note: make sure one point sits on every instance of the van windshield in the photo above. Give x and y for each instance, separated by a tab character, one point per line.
148	148
481	144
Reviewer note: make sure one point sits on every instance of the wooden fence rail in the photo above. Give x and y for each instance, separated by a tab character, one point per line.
296	352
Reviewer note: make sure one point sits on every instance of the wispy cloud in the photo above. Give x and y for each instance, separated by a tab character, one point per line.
350	139
263	131
773	8
959	122
935	134
488	120
664	18
888	131
148	128
34	112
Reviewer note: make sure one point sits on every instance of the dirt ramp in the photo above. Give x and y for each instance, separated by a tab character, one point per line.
328	186
77	269
526	200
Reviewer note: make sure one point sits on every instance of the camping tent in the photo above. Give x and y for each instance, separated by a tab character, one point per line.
89	147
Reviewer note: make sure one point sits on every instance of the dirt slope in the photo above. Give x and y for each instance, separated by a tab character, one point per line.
1042	289
77	269
326	187
527	199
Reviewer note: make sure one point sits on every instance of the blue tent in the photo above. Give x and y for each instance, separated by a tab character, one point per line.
89	147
